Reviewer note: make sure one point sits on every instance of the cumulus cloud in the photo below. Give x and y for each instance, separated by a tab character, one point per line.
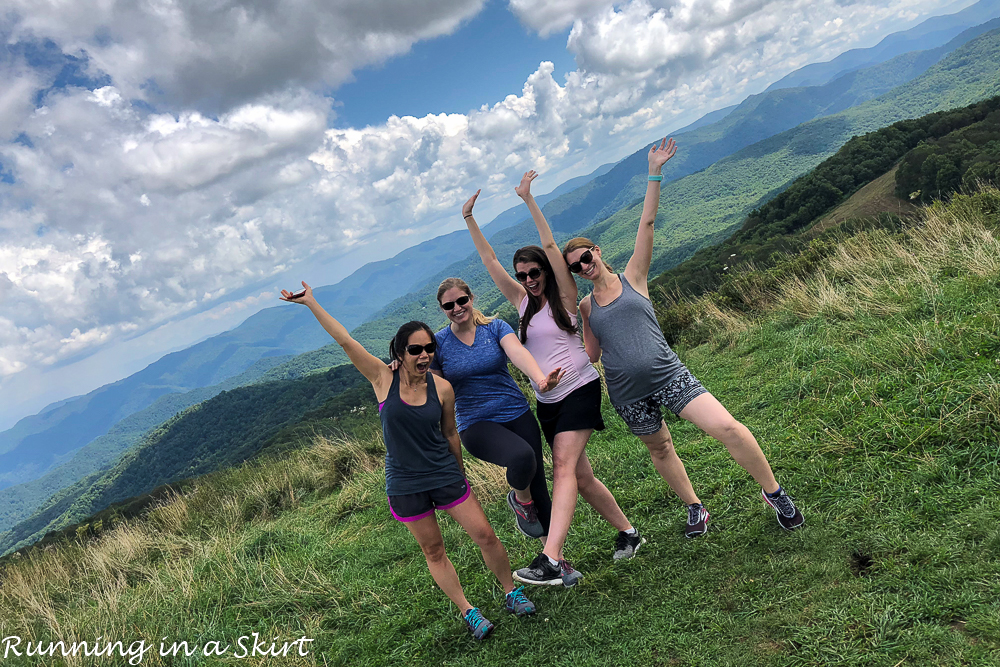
214	55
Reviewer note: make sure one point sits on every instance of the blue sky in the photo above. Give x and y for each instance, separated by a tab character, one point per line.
488	58
164	167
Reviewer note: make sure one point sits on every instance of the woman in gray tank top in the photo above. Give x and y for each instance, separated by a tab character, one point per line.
424	470
643	373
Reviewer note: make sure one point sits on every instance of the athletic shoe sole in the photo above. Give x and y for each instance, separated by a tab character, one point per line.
553	582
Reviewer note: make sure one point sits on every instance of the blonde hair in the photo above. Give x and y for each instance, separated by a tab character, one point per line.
586	244
477	316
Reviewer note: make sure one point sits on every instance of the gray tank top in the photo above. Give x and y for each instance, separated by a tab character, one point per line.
417	457
637	360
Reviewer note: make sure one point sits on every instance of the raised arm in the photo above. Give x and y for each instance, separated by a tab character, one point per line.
637	269
567	286
510	288
370	366
590	343
520	357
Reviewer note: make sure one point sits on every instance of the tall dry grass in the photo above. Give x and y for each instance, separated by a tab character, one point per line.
876	273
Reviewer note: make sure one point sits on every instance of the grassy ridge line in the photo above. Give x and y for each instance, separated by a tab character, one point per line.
872	386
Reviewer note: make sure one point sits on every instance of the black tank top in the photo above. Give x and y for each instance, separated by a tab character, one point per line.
417	457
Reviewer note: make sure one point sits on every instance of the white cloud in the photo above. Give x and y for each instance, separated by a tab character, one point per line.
215	55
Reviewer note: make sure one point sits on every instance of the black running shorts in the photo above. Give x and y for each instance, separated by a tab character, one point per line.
579	410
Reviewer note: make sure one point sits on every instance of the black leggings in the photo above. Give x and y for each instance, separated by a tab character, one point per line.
517	446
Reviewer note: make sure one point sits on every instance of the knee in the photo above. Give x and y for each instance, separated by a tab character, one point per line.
585	482
484	537
731	431
434	552
661	447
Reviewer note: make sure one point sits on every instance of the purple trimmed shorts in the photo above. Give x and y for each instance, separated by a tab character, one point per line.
415	506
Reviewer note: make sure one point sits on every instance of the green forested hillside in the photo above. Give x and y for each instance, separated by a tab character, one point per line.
967	134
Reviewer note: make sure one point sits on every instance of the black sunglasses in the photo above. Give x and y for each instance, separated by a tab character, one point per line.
586	258
532	274
415	350
460	301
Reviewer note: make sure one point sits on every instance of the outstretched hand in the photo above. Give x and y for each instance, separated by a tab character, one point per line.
550	382
658	155
524	189
305	296
467	207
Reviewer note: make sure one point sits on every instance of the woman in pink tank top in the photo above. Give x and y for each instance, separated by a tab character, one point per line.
544	295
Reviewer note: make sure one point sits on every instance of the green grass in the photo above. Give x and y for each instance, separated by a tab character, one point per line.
872	388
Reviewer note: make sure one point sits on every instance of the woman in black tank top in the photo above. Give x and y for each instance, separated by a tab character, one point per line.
424	469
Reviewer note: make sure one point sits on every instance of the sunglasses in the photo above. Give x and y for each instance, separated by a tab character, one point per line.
415	350
460	301
586	258
533	274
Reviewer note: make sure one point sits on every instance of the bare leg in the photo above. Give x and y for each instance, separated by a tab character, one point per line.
598	496
566	450
428	536
668	464
471	517
710	416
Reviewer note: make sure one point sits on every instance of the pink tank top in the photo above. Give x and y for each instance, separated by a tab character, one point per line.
552	347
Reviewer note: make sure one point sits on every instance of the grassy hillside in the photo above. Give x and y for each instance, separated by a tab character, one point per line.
871	384
218	433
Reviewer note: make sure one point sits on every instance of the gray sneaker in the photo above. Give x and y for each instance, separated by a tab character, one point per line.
518	603
527	517
569	575
478	625
626	545
540	573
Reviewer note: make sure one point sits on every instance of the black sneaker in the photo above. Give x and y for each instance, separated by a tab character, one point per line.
527	517
569	575
697	523
540	573
478	625
789	516
626	545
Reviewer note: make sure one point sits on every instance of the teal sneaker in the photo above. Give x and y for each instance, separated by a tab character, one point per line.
478	625
518	603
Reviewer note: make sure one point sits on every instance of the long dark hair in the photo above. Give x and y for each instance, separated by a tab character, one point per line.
398	343
532	253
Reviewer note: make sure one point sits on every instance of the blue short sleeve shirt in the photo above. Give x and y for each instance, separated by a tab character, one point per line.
484	389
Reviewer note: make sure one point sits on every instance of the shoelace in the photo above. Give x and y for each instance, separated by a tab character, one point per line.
530	513
517	596
474	618
694	514
565	568
785	505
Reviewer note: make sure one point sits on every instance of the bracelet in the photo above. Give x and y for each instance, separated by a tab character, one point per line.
468	216
658	177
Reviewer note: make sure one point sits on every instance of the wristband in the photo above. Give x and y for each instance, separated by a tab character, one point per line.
468	216
658	177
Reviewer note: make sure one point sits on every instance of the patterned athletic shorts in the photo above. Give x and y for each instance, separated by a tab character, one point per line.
644	417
